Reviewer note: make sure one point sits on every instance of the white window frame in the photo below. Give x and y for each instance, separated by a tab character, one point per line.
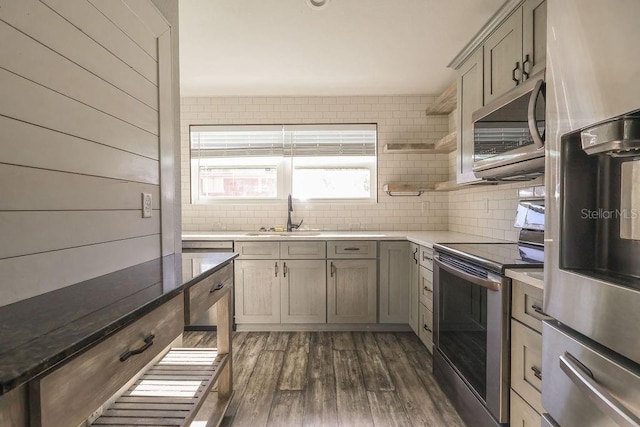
285	172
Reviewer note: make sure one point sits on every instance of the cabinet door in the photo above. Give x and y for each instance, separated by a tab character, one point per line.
426	327
257	285
526	364
521	414
414	295
470	96
503	54
534	36
394	282
351	291
304	291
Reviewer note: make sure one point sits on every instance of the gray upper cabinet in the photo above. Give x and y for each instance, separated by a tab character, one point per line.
470	97
503	58
394	282
534	37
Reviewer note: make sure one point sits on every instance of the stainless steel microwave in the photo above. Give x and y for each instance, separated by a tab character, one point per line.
509	134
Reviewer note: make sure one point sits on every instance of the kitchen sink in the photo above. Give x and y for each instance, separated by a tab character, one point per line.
283	234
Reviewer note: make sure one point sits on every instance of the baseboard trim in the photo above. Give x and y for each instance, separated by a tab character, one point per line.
347	327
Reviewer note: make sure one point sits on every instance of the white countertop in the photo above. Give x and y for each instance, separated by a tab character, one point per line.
424	238
530	276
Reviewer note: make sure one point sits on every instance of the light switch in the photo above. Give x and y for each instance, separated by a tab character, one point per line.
147	205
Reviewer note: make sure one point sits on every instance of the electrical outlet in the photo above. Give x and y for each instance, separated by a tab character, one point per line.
147	205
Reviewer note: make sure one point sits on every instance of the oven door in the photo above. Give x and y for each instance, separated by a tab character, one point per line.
471	329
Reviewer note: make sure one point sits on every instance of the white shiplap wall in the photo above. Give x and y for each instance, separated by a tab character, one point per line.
86	88
400	119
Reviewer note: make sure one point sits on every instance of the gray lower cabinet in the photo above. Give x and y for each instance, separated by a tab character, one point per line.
414	282
351	290
394	282
257	286
303	290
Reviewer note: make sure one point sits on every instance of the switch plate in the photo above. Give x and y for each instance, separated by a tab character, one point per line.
147	205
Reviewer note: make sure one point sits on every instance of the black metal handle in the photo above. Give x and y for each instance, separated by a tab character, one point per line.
427	289
414	255
426	257
513	74
538	310
426	328
284	269
217	287
148	342
276	269
537	373
525	73
351	249
331	269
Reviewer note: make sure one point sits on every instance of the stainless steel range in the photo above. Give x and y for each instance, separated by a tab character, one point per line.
471	317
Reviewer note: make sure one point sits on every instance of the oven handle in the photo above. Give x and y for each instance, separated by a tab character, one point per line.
531	114
492	285
608	404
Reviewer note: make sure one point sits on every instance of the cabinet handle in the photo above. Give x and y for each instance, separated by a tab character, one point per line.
427	289
216	287
414	255
538	310
513	74
276	268
331	269
537	373
148	342
426	328
351	249
426	257
284	269
525	73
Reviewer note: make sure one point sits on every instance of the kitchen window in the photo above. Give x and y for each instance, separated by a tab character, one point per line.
267	162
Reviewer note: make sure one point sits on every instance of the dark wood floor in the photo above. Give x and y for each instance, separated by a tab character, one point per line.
331	379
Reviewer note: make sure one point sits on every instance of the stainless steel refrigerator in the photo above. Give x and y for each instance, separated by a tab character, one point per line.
591	355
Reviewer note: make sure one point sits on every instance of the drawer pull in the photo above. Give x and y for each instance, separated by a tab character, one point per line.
426	328
538	310
537	373
351	249
284	269
427	289
217	287
148	342
426	257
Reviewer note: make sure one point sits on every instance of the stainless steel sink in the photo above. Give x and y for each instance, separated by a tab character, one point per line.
284	234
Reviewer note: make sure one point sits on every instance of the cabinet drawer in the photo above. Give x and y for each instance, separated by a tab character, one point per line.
303	250
426	287
426	258
352	249
425	331
69	394
526	364
258	250
521	414
201	296
527	305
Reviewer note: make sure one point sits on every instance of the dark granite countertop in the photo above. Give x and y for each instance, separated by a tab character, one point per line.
40	332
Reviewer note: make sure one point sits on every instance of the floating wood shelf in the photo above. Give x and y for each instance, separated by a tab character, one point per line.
395	189
173	390
445	103
448	143
413	148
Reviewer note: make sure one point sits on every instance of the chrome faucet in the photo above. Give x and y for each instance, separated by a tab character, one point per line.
291	226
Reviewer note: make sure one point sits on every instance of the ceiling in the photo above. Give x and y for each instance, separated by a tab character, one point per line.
348	47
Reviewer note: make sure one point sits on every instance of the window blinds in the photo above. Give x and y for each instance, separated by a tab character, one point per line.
285	140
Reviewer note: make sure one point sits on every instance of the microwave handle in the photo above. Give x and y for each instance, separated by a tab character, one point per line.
531	114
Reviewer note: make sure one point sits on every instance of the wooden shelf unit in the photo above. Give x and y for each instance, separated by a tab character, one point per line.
445	103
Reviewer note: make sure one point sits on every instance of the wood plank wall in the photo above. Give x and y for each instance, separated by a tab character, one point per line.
86	90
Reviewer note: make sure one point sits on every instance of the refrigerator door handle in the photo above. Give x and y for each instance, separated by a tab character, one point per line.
604	400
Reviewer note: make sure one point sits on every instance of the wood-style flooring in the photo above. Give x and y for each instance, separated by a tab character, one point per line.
331	379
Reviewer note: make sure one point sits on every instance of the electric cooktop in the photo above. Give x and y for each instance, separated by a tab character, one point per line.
496	256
